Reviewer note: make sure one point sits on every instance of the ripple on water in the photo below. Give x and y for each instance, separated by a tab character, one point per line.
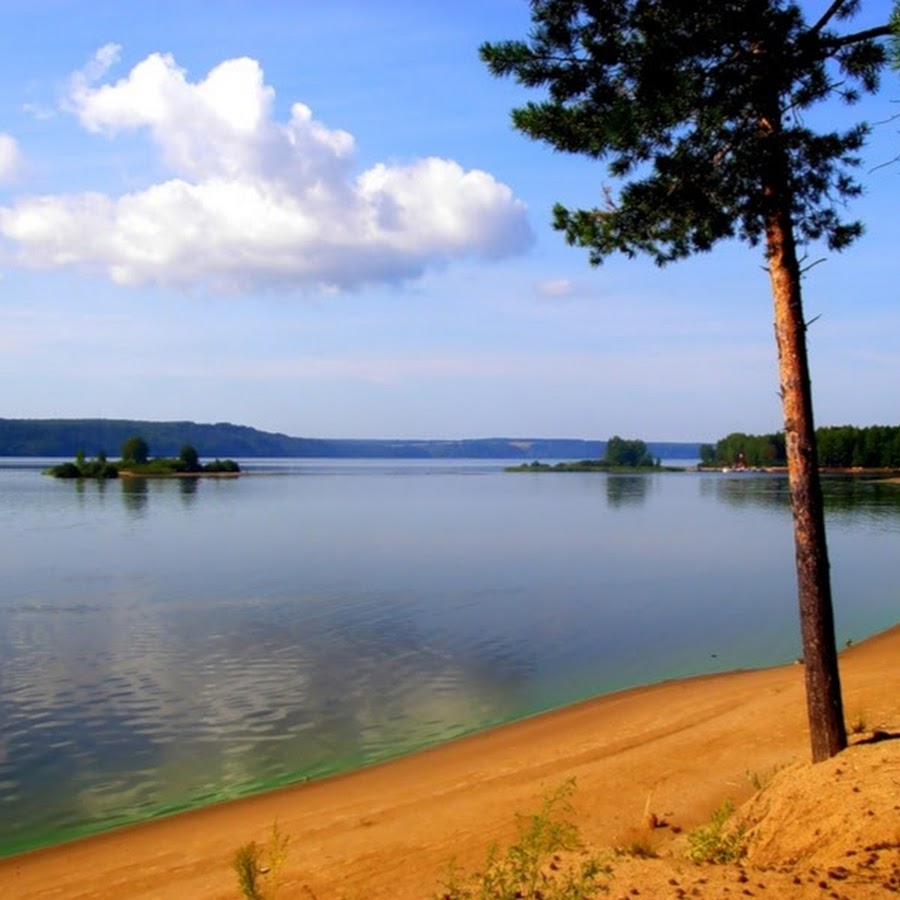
321	630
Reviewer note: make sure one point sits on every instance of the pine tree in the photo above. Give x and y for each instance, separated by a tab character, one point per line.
696	107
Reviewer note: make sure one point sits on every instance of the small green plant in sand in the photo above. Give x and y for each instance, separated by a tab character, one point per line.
548	861
757	781
248	869
858	724
637	849
720	841
258	868
762	780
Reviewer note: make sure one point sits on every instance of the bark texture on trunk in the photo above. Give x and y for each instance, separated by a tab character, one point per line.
823	688
828	733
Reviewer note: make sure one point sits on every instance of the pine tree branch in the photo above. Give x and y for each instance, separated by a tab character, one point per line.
884	165
858	37
827	16
803	270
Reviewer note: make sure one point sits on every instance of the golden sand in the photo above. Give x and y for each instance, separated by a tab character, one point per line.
676	750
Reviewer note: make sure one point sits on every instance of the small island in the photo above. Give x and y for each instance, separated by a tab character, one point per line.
622	456
136	461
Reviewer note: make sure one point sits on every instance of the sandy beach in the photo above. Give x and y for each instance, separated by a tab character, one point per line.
677	749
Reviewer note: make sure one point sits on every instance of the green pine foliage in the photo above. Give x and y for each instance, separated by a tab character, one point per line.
681	101
699	111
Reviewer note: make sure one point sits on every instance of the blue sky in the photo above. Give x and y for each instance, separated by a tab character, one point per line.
317	219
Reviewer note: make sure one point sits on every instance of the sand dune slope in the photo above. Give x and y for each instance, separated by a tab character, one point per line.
675	750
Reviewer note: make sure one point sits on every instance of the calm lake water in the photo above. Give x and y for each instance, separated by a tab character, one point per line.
166	644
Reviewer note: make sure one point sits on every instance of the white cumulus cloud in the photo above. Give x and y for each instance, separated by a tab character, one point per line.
10	158
252	201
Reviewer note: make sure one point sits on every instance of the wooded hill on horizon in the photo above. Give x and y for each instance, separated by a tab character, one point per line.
66	437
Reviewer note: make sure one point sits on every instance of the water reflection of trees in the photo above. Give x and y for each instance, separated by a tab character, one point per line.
136	490
626	490
94	487
859	500
135	493
847	499
187	489
761	491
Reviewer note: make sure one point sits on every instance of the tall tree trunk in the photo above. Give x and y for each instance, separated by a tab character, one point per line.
828	732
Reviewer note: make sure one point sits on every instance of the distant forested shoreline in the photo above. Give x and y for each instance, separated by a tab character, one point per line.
66	437
839	447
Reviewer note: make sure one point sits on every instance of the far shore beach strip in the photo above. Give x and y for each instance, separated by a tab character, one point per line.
680	749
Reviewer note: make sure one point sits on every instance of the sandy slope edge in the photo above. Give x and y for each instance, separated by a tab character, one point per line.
388	831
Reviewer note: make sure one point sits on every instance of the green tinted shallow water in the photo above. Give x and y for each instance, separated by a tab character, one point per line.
168	644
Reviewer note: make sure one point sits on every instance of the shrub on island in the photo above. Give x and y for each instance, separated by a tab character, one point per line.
85	468
136	461
621	456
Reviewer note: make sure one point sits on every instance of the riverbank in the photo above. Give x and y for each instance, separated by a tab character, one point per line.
676	750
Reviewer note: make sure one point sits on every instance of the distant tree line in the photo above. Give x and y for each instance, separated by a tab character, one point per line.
839	447
756	450
63	438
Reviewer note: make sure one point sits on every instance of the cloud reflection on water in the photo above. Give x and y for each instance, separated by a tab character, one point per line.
193	642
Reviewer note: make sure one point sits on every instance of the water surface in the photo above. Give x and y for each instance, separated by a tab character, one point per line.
168	643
